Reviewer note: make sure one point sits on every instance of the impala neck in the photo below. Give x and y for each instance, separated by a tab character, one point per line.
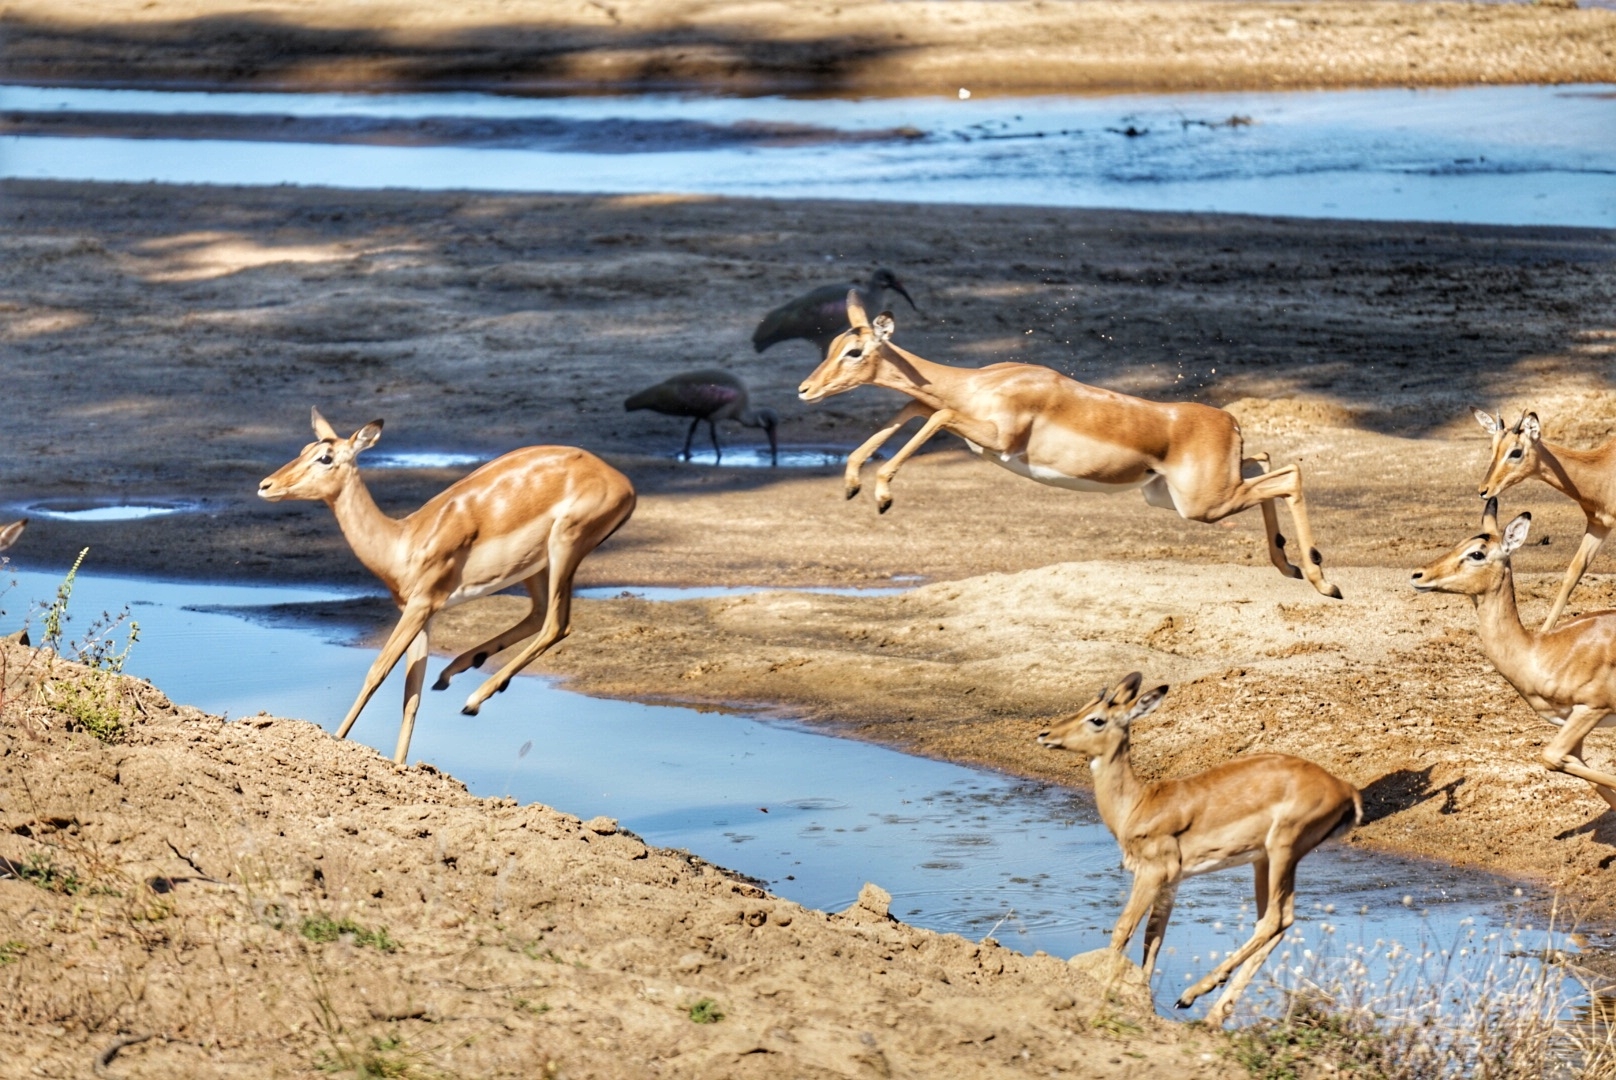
373	535
926	382
1576	473
1115	786
1503	638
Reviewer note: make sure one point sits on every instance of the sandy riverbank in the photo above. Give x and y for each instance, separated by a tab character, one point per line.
740	46
303	908
168	342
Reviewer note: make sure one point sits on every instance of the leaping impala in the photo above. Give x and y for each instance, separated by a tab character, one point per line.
1268	810
1588	476
1567	675
1039	424
530	516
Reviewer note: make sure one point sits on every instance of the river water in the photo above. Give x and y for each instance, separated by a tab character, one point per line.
961	849
1518	155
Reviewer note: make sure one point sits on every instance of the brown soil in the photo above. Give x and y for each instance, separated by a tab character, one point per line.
169	342
256	899
775	46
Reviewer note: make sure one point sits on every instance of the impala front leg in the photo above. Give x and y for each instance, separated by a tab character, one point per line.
1283	483
1274	539
856	460
1586	551
414	678
1564	754
884	475
412	622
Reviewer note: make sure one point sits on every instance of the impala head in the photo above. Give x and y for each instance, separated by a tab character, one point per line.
1477	565
1515	451
851	359
1100	727
324	465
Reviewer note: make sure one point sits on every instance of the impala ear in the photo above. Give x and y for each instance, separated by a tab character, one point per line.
1529	427
1488	422
366	437
1127	689
1515	533
1147	704
856	317
322	430
1489	516
883	326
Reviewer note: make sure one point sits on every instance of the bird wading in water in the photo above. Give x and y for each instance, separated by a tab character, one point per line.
709	396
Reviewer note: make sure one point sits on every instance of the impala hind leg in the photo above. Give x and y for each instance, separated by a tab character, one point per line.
414	677
1564	753
884	475
411	623
1586	551
1250	468
537	587
569	543
1275	919
1282	483
856	460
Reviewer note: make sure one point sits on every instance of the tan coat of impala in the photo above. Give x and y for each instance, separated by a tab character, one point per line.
1268	810
1039	424
10	533
1588	476
530	517
1567	675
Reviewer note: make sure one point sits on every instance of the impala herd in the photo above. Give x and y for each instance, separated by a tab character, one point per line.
532	515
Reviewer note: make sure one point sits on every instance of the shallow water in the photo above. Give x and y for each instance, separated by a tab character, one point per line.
85	510
735	457
1527	155
962	850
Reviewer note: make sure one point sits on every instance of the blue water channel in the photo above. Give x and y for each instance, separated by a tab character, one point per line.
961	849
1515	155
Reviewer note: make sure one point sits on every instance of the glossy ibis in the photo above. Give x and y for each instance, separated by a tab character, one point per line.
709	396
820	315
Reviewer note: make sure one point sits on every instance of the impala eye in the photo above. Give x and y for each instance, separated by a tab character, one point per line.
853	354
1477	556
1097	721
325	459
1513	454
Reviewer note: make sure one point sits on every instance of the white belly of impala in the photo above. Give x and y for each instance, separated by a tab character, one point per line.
1213	865
1018	464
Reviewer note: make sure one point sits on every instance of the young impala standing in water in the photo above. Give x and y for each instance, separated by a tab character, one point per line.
530	517
1039	424
1588	476
1268	810
1567	675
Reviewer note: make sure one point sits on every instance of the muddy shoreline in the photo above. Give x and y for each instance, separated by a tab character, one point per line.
169	342
1014	47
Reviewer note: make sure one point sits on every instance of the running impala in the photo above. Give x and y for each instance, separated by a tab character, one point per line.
1588	476
530	517
1039	424
1567	675
1268	810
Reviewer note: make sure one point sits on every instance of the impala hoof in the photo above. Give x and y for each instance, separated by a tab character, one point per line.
883	506
1182	1004
442	683
852	492
468	709
1332	591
